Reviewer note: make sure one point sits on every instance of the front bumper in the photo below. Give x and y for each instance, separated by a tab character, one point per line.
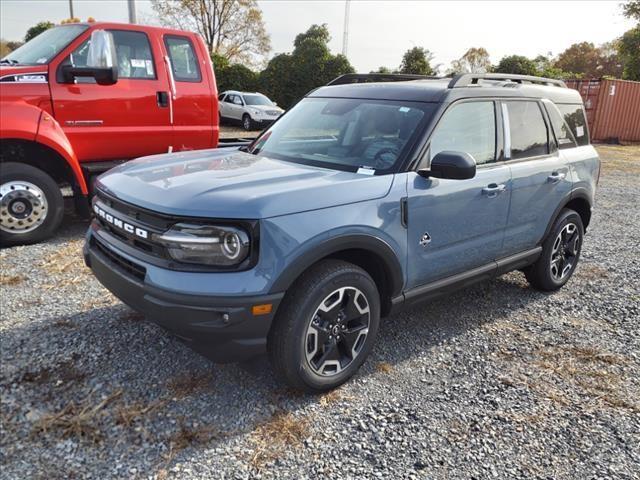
222	328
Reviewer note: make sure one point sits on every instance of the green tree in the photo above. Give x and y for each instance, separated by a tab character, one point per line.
37	30
237	77
382	70
629	51
631	9
417	60
475	60
289	76
590	61
516	64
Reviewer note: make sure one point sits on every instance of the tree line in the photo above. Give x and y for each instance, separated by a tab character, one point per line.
237	39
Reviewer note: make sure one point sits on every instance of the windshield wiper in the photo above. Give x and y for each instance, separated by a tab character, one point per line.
9	61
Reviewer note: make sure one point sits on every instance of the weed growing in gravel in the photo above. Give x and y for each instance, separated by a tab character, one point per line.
66	263
273	437
10	280
384	367
80	420
189	383
128	414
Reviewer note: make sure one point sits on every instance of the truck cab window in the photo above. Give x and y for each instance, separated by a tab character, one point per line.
184	62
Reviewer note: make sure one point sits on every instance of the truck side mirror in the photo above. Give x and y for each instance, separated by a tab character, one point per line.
451	165
101	61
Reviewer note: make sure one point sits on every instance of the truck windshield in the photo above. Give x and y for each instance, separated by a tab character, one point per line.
257	100
346	134
45	46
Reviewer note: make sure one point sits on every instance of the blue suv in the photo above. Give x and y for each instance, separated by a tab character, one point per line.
372	193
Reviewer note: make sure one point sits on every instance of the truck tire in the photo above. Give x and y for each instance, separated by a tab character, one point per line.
247	123
560	253
31	204
325	327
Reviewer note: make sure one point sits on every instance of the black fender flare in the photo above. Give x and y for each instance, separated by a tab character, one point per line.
376	246
580	193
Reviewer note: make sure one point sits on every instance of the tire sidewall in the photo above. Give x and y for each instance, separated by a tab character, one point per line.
568	216
246	125
12	171
365	284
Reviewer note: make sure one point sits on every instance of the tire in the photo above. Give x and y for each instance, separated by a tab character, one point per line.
31	204
247	123
300	338
560	253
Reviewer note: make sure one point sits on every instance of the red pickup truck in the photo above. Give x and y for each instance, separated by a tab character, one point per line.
80	98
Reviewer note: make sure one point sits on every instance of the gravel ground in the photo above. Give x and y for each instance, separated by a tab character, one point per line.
496	381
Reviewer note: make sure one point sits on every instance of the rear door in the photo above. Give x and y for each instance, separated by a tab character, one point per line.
193	94
540	175
120	121
457	225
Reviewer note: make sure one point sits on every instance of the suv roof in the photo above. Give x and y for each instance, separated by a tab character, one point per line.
432	89
237	92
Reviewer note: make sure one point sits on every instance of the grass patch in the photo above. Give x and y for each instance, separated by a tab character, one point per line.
272	438
128	414
10	280
384	367
79	420
619	158
189	383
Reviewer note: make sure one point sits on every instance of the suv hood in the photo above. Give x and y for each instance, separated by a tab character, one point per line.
226	183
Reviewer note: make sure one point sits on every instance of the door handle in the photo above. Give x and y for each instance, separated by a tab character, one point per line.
163	99
493	189
556	177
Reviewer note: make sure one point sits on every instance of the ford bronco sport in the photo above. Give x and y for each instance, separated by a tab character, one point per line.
363	198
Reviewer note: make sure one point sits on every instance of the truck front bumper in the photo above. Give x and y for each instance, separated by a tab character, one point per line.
224	329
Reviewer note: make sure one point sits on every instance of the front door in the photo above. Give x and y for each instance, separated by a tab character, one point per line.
126	120
458	225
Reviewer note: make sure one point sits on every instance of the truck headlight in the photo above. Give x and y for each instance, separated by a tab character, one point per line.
206	244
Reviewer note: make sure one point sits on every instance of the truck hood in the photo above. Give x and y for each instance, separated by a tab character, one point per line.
226	183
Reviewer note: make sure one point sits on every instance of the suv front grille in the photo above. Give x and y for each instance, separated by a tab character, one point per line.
129	267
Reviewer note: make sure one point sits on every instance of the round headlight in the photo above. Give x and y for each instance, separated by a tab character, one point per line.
231	245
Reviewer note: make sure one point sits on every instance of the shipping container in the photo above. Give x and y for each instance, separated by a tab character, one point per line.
613	108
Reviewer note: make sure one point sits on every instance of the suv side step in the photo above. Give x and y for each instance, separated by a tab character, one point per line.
464	279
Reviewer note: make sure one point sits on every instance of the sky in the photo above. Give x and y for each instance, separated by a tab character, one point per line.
381	31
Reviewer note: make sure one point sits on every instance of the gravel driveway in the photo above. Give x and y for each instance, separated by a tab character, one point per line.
495	381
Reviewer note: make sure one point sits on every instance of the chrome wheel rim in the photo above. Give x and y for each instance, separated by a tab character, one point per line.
564	252
247	123
23	207
337	331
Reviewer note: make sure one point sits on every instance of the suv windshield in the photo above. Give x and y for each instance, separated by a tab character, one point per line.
345	134
45	46
257	100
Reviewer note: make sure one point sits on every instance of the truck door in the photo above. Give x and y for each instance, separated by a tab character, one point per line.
126	120
193	95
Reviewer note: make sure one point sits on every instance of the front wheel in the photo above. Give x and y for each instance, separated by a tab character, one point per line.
325	327
31	204
560	253
247	123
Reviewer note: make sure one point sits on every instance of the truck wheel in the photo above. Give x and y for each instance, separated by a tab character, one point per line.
247	123
31	204
560	253
325	327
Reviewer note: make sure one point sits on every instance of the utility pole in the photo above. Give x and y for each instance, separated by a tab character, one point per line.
132	11
345	35
70	8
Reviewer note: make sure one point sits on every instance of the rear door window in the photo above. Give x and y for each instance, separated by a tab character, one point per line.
574	116
184	62
563	134
527	129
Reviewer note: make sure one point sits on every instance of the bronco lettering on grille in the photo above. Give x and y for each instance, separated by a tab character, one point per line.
119	223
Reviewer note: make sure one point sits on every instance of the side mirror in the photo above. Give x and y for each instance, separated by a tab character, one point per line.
451	165
101	61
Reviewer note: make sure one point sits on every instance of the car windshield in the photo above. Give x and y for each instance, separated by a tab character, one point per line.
257	100
345	134
45	46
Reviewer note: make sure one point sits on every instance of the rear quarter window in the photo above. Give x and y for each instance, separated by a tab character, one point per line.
575	118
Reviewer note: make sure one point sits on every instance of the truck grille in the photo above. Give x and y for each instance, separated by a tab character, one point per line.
129	267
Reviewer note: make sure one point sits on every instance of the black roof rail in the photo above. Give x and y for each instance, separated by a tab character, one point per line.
467	79
377	77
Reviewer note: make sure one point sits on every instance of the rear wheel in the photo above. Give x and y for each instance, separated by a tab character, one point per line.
31	204
560	253
326	327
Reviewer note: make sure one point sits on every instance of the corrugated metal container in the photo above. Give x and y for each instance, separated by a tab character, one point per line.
613	108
